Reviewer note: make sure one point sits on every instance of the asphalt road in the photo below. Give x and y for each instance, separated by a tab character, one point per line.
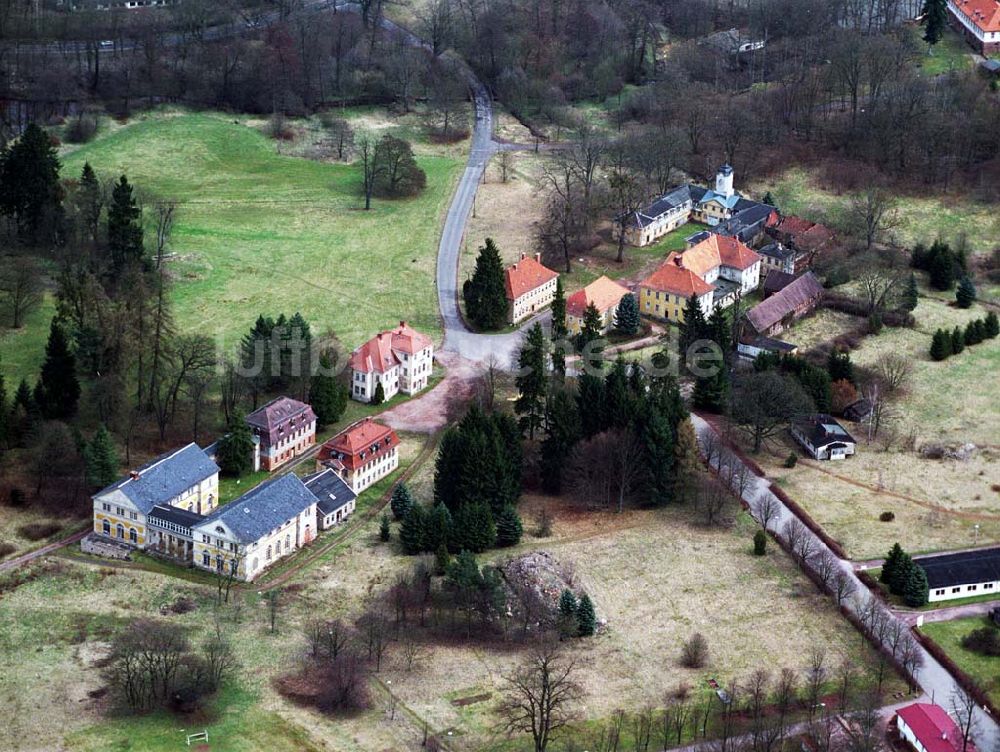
935	681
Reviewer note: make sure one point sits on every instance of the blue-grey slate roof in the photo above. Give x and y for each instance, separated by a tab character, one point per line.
165	477
264	508
965	568
176	515
331	490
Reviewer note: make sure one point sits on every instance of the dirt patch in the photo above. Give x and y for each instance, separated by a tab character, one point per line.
461	702
432	411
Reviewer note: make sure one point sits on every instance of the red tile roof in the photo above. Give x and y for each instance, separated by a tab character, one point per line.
525	275
359	443
602	292
715	251
673	277
794	225
379	353
985	14
933	727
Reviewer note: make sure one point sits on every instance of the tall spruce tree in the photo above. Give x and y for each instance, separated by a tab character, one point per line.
586	619
411	532
235	452
379	396
619	402
656	437
58	390
941	345
957	340
124	226
915	589
532	381
991	325
911	294
693	327
590	336
509	527
891	564
29	182
941	266
839	366
720	330
437	528
90	198
590	401
563	431
101	459
327	395
971	334
485	293
401	501
560	334
687	461
965	293
711	392
627	318
934	21
901	574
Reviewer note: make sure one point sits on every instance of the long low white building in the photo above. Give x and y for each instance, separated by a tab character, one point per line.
962	575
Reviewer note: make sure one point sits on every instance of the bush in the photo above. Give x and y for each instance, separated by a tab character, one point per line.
887	516
836	277
791	460
695	652
383	528
37	530
6	549
81	129
875	323
985	641
759	543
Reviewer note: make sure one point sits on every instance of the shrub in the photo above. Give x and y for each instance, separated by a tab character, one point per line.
759	543
37	530
6	549
985	641
887	516
81	129
183	605
277	127
837	276
543	523
383	528
791	460
695	652
875	323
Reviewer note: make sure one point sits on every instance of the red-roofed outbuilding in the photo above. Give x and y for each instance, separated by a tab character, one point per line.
928	728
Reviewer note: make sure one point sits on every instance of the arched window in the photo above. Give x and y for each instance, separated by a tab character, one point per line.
120	530
218	562
107	528
268	555
288	543
132	535
232	566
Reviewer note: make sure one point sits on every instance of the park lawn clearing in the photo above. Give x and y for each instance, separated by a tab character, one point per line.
950	54
985	670
258	232
23	350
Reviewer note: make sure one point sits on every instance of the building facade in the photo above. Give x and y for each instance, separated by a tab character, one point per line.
979	23
797	299
400	359
266	524
926	727
335	499
530	287
361	454
284	428
823	437
184	479
961	575
604	294
717	270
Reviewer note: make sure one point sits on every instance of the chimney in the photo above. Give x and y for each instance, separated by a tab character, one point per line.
134	475
522	255
538	257
515	264
402	323
679	261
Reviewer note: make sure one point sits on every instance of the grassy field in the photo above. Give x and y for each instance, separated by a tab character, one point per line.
23	350
937	503
984	669
951	53
263	232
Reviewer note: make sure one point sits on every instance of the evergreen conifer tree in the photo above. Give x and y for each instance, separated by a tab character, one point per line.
91	201
567	604
991	326
101	459
473	529
720	331
586	619
326	395
587	341
532	381
509	527
411	531
58	390
437	528
957	340
401	501
839	366
619	404
124	226
693	328
941	344
910	294
901	574
769	200
687	461
759	543
383	528
235	454
379	396
590	401
560	334
627	318
442	560
563	430
979	327
29	181
891	564
485	294
712	392
915	589
965	293
971	334
935	20
657	441
941	266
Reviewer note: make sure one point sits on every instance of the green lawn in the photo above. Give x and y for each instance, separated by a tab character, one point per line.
985	670
949	54
23	350
260	232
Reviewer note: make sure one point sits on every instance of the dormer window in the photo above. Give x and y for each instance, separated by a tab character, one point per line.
220	529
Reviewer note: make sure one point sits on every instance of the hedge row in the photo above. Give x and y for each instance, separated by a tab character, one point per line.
809	522
964	680
872	584
846	304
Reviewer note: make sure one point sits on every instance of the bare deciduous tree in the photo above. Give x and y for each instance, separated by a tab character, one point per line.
893	369
20	287
874	212
766	508
540	695
963	707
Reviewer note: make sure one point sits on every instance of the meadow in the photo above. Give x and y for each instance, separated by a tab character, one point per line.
985	670
260	229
